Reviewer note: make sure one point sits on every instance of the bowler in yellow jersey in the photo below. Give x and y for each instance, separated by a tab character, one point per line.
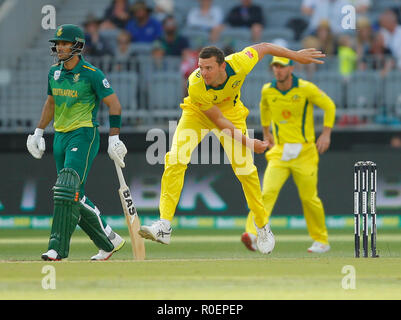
214	103
286	112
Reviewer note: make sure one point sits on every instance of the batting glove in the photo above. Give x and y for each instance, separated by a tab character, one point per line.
36	143
117	150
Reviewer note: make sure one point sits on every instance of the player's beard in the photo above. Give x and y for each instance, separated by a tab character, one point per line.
285	79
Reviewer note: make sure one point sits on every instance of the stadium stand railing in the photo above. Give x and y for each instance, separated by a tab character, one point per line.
151	94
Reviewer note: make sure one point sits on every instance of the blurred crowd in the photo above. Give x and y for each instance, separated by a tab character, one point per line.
130	27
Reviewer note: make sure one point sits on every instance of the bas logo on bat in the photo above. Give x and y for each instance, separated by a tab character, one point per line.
129	202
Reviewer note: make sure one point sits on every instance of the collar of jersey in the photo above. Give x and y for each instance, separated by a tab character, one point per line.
230	72
294	84
76	68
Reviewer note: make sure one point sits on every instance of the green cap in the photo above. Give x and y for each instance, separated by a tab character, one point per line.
68	32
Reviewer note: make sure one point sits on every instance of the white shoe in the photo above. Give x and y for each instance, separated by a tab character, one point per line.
158	231
318	247
265	240
117	242
249	240
51	255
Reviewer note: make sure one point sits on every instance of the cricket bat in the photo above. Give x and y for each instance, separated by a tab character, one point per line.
131	217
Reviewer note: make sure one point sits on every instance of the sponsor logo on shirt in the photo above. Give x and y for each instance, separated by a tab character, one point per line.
65	92
286	114
106	84
249	54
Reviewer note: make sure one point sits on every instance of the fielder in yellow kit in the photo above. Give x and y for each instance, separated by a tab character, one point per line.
286	108
214	104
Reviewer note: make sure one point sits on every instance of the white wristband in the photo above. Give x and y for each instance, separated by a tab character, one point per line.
38	132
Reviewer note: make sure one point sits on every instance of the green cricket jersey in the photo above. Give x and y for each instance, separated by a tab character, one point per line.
77	94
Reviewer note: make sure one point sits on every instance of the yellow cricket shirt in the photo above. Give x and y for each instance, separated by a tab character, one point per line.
290	113
227	96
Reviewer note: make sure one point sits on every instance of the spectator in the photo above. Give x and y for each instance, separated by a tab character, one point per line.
207	17
364	36
189	63
116	15
310	69
158	54
327	41
163	9
174	44
123	52
318	10
391	31
142	26
361	6
95	44
347	57
247	15
378	57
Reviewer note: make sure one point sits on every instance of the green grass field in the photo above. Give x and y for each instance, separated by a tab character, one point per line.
202	264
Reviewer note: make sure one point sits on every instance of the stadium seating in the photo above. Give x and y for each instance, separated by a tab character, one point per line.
152	93
165	91
392	94
362	94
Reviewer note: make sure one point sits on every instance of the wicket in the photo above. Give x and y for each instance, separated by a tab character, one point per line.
365	181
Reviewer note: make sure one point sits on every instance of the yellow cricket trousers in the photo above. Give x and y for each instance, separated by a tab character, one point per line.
304	170
191	129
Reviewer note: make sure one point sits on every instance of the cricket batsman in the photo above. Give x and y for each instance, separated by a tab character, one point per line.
75	89
286	109
214	103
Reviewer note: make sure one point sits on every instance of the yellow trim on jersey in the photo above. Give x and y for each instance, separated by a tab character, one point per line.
88	68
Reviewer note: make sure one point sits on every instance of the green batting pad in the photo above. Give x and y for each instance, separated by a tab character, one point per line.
66	211
92	224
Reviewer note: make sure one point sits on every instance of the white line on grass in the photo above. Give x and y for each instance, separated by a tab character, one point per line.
206	239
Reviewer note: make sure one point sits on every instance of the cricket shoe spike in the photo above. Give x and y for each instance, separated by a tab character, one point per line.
51	255
265	240
249	240
158	231
117	242
318	247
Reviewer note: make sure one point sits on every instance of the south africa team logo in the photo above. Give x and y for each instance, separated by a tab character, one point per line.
60	32
76	77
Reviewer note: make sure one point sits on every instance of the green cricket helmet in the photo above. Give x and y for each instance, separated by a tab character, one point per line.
70	33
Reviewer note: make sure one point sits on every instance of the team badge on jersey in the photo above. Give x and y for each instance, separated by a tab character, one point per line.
76	77
106	84
236	84
57	74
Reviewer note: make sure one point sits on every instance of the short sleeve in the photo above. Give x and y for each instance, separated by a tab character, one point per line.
245	60
101	85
